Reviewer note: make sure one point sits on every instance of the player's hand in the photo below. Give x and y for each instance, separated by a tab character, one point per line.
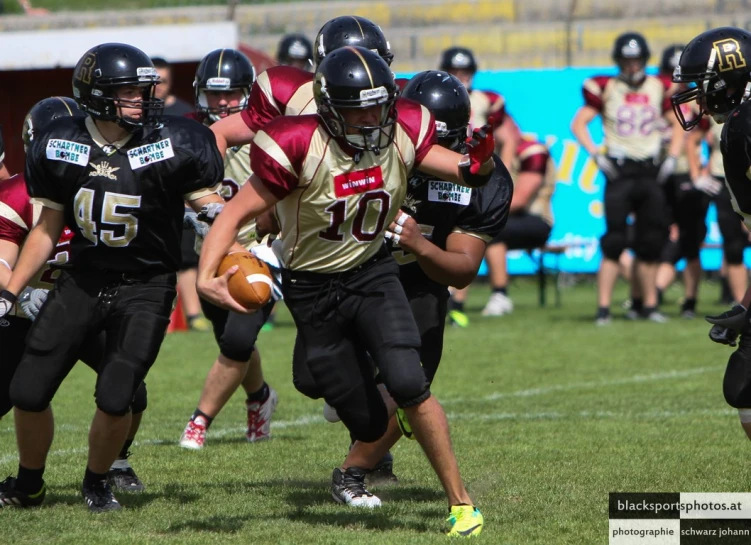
405	232
31	301
190	219
727	326
666	169
216	291
210	211
606	166
708	184
480	148
7	300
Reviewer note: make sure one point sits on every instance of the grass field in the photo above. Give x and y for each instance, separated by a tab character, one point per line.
548	414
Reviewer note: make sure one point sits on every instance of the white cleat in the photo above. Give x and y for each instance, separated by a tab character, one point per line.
498	304
259	417
194	435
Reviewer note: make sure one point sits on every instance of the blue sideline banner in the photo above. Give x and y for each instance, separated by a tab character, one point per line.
543	103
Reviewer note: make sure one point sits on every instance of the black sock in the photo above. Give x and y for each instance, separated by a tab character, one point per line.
92	479
456	305
261	395
646	311
500	290
659	296
637	304
689	304
124	452
203	415
603	312
29	480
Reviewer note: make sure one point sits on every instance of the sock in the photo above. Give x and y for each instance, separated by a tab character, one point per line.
124	452
659	296
646	311
208	419
92	479
500	290
456	305
603	312
29	480
689	304
726	295
637	304
261	395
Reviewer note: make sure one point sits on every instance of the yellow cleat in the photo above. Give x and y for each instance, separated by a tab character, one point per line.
401	419
465	520
458	318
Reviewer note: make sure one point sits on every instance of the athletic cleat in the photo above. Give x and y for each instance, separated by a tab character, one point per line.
10	496
688	314
348	487
383	473
259	417
122	477
458	318
632	315
194	435
465	520
657	317
100	498
199	323
498	304
401	419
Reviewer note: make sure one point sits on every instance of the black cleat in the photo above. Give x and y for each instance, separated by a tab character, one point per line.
125	479
349	487
10	496
100	498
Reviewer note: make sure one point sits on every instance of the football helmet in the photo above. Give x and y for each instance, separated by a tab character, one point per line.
458	58
351	30
715	65
448	100
670	57
223	70
295	49
627	47
356	78
103	70
43	112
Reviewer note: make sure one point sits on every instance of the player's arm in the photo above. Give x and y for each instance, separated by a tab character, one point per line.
471	170
4	174
252	200
232	131
8	258
526	187
580	128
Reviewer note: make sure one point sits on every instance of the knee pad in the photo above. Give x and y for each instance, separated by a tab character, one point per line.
733	249
649	247
670	252
139	400
364	413
404	376
736	385
612	245
116	388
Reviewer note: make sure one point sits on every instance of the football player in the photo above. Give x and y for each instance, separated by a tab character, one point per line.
338	180
444	231
118	178
222	86
17	217
716	67
631	105
295	50
286	90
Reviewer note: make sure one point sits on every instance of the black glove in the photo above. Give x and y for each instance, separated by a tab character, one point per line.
728	325
7	300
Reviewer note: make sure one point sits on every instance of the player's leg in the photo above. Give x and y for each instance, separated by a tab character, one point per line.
13	342
499	302
691	212
186	282
613	242
734	241
457	315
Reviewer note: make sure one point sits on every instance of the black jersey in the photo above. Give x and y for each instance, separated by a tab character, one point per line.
441	208
735	145
124	201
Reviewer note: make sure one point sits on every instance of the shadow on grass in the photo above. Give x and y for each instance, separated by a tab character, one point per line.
172	493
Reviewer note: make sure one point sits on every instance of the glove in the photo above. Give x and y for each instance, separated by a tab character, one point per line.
31	301
7	300
190	219
605	165
271	255
480	148
666	169
728	325
709	185
210	211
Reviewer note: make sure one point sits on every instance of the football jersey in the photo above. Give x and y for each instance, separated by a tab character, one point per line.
533	156
630	115
333	211
487	107
735	142
280	90
441	208
681	165
17	217
123	200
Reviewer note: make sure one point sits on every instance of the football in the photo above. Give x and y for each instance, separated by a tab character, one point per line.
251	284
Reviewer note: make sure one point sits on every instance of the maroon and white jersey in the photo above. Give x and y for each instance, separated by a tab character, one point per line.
280	90
487	108
534	156
333	211
681	166
630	115
716	166
17	217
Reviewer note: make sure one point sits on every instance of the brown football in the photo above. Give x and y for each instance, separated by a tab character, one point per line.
251	284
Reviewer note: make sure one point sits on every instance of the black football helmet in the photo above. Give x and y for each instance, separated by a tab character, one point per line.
43	112
223	70
355	77
716	67
296	50
448	100
103	70
351	30
670	57
628	46
458	58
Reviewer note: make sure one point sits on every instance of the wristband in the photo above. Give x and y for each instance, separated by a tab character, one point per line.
474	180
8	296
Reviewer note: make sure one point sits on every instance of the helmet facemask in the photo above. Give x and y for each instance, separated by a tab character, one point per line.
452	139
105	105
219	84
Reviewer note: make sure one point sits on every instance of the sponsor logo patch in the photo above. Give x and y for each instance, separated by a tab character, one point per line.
359	181
637	98
150	153
449	193
70	152
104	170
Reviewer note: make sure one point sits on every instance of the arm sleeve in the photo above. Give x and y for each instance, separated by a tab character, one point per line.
487	212
206	170
592	90
279	151
43	183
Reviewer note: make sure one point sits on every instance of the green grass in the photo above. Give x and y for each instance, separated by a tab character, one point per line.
548	413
